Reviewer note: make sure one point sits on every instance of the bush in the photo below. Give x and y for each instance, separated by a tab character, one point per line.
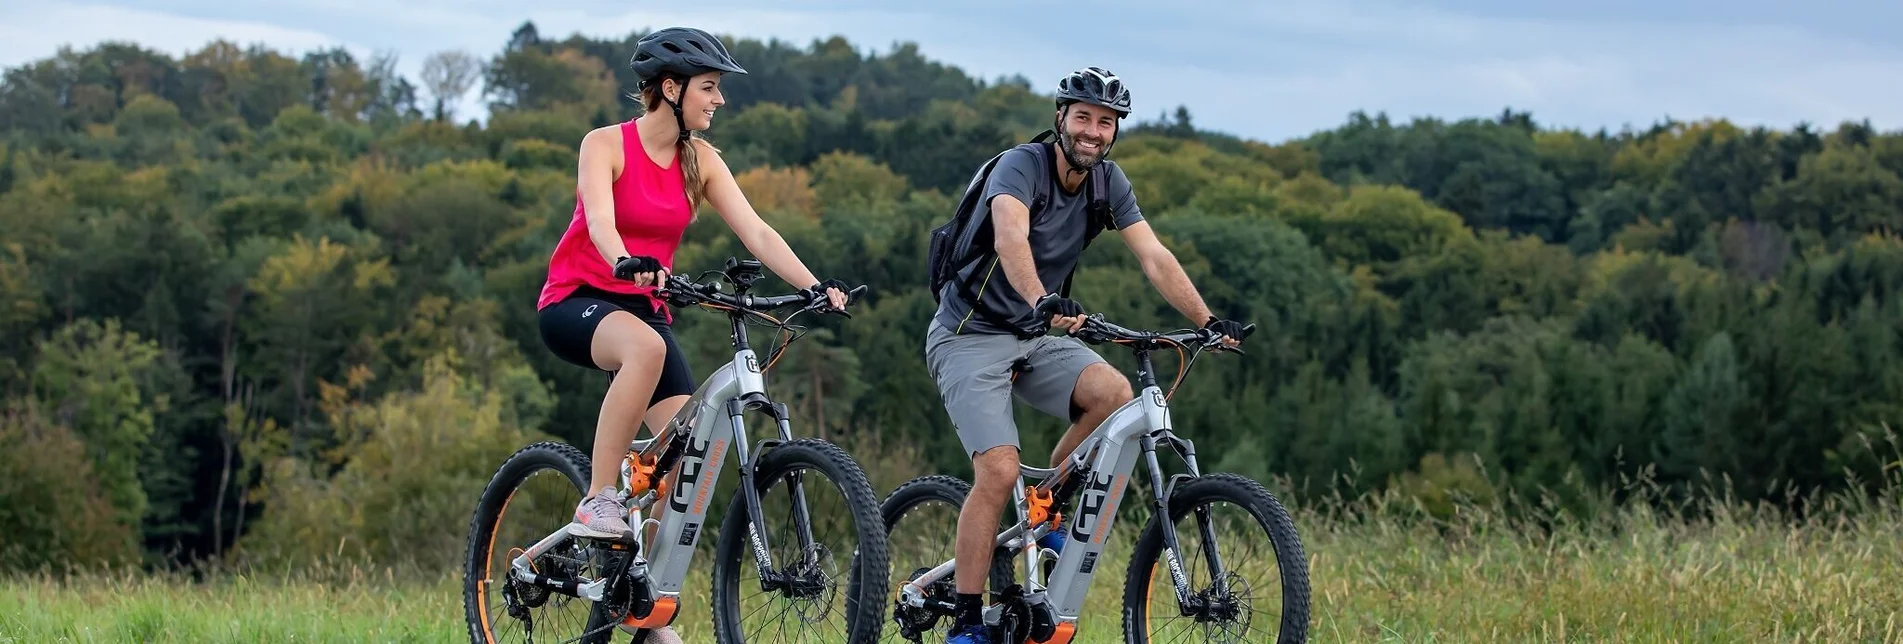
52	509
522	154
415	463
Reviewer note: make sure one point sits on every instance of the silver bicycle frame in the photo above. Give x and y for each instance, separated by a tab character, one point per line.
1116	445
681	516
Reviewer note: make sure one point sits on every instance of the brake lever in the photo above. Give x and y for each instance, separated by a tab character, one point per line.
1213	341
678	291
823	304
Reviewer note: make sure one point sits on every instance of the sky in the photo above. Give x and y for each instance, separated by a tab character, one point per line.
1263	69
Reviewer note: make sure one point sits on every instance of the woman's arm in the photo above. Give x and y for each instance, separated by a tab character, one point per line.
754	233
594	181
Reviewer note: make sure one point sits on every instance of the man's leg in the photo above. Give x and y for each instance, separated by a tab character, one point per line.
1100	390
994	473
1068	380
974	382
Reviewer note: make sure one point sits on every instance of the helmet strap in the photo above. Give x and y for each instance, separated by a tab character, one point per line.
679	120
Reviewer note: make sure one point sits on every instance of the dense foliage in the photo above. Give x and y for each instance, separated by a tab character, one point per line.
280	304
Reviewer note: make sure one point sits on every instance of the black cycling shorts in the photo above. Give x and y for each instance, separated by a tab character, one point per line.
568	328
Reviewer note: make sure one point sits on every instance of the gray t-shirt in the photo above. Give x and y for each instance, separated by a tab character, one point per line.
1057	237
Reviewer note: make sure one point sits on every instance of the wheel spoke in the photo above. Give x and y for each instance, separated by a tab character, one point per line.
1246	597
813	548
533	493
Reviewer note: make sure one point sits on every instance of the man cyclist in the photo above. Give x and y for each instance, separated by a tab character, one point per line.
983	352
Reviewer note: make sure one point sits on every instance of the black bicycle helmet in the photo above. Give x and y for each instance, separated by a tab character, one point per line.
682	53
1097	86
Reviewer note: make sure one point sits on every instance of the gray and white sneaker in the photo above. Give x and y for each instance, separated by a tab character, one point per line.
602	516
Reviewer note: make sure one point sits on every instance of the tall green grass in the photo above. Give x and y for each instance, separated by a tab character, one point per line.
1660	565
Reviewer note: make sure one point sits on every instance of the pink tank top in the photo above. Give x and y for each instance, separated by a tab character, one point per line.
651	212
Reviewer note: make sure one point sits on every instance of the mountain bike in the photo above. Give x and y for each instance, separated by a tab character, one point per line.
634	585
1214	599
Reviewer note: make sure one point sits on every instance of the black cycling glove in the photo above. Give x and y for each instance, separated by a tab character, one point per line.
628	267
816	294
1229	328
1053	304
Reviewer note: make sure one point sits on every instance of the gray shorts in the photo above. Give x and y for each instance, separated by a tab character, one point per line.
975	380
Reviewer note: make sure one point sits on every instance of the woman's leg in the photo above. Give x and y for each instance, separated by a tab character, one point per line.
626	346
676	383
622	344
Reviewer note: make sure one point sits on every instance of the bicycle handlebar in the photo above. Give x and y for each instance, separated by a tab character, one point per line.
682	291
1097	330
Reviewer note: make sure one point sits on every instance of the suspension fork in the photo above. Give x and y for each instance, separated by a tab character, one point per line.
1161	507
762	557
1205	527
736	408
770	578
796	487
1146	378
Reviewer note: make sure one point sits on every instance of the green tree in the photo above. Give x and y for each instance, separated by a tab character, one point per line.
314	299
1839	190
95	379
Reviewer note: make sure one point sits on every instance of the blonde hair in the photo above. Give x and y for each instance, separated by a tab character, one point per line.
685	151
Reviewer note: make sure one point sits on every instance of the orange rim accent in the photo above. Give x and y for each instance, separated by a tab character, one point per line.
488	553
1061	635
1149	616
661	615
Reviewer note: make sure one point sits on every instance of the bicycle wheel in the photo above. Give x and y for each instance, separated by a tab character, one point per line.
1224	610
927	509
806	583
532	494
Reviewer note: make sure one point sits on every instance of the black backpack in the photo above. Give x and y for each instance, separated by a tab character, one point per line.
966	239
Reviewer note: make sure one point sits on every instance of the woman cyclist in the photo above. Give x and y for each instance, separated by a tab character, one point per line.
637	186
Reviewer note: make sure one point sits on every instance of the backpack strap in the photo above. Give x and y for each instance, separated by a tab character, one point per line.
1040	198
1098	218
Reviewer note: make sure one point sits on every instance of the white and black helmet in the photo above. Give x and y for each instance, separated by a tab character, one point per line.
1097	86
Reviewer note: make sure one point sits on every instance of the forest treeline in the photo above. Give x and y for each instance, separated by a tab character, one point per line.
283	304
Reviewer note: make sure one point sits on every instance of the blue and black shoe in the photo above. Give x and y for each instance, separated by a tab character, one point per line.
971	634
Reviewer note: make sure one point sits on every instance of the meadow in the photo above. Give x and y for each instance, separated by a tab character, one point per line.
1384	569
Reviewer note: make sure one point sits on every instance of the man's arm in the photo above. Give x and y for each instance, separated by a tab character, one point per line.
1011	237
1160	265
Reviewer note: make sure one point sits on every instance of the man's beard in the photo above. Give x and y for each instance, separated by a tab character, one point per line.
1078	161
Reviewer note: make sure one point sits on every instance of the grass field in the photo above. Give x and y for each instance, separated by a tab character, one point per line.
1633	575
